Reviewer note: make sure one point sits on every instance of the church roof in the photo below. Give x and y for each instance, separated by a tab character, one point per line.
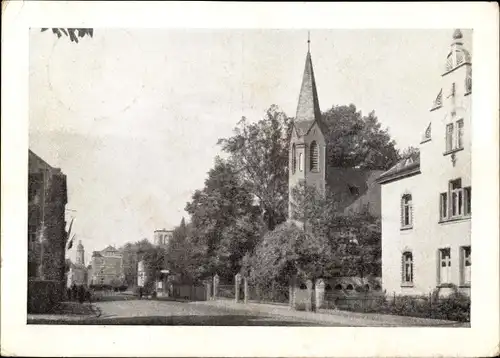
308	105
355	188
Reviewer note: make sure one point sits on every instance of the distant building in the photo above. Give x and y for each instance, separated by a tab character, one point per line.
47	198
107	268
77	272
426	199
162	237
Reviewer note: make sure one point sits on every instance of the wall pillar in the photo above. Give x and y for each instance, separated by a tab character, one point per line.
237	281
208	291
245	290
291	294
319	293
309	301
216	286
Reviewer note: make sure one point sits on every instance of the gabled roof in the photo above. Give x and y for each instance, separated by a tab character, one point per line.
308	110
355	188
405	167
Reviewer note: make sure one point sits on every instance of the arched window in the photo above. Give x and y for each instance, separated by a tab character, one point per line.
407	268
301	162
294	158
314	157
406	212
349	287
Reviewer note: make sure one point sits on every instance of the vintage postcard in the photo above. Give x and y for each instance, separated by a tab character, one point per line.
194	185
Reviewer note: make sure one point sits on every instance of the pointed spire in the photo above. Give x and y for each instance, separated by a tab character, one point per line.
308	41
308	107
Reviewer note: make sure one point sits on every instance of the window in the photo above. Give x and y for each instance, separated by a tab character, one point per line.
444	266
407	272
454	135
467	201
456	198
294	158
314	157
406	211
443	205
301	162
456	203
466	265
354	190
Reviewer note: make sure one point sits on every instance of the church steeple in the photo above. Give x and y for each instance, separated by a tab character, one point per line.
308	106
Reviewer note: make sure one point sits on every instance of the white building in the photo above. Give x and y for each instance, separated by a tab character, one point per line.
163	236
426	199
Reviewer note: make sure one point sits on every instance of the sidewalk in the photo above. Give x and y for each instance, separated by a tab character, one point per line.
333	317
66	311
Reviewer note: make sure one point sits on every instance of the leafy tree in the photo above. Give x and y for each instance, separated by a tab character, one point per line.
73	34
259	151
354	140
213	209
410	152
329	243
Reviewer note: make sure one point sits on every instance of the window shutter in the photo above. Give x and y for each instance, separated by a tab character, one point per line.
402	212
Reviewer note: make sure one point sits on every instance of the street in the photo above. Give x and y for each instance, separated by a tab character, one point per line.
152	312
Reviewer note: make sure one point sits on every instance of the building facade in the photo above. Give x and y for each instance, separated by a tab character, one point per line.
47	198
107	268
426	198
356	190
162	237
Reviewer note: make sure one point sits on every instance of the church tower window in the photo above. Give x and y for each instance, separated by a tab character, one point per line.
314	157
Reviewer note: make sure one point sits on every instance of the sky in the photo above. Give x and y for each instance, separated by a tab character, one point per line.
132	116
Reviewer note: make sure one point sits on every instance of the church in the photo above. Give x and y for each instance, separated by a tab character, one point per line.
77	271
426	199
355	189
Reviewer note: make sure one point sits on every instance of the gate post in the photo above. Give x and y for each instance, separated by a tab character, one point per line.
245	289
208	290
309	303
237	280
216	286
320	293
291	298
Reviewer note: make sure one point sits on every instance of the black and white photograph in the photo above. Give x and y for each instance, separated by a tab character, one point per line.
263	177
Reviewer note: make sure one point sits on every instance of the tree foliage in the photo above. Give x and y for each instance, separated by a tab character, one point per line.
354	140
259	151
329	243
222	209
72	33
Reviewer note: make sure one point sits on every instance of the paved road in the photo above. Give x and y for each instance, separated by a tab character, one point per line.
146	312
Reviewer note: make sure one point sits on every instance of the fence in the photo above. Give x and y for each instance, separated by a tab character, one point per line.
359	302
272	293
226	291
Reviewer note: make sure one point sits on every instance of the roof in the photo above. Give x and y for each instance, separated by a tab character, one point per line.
404	168
308	110
73	265
355	188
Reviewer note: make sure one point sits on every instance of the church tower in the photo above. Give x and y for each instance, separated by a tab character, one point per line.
80	254
307	150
